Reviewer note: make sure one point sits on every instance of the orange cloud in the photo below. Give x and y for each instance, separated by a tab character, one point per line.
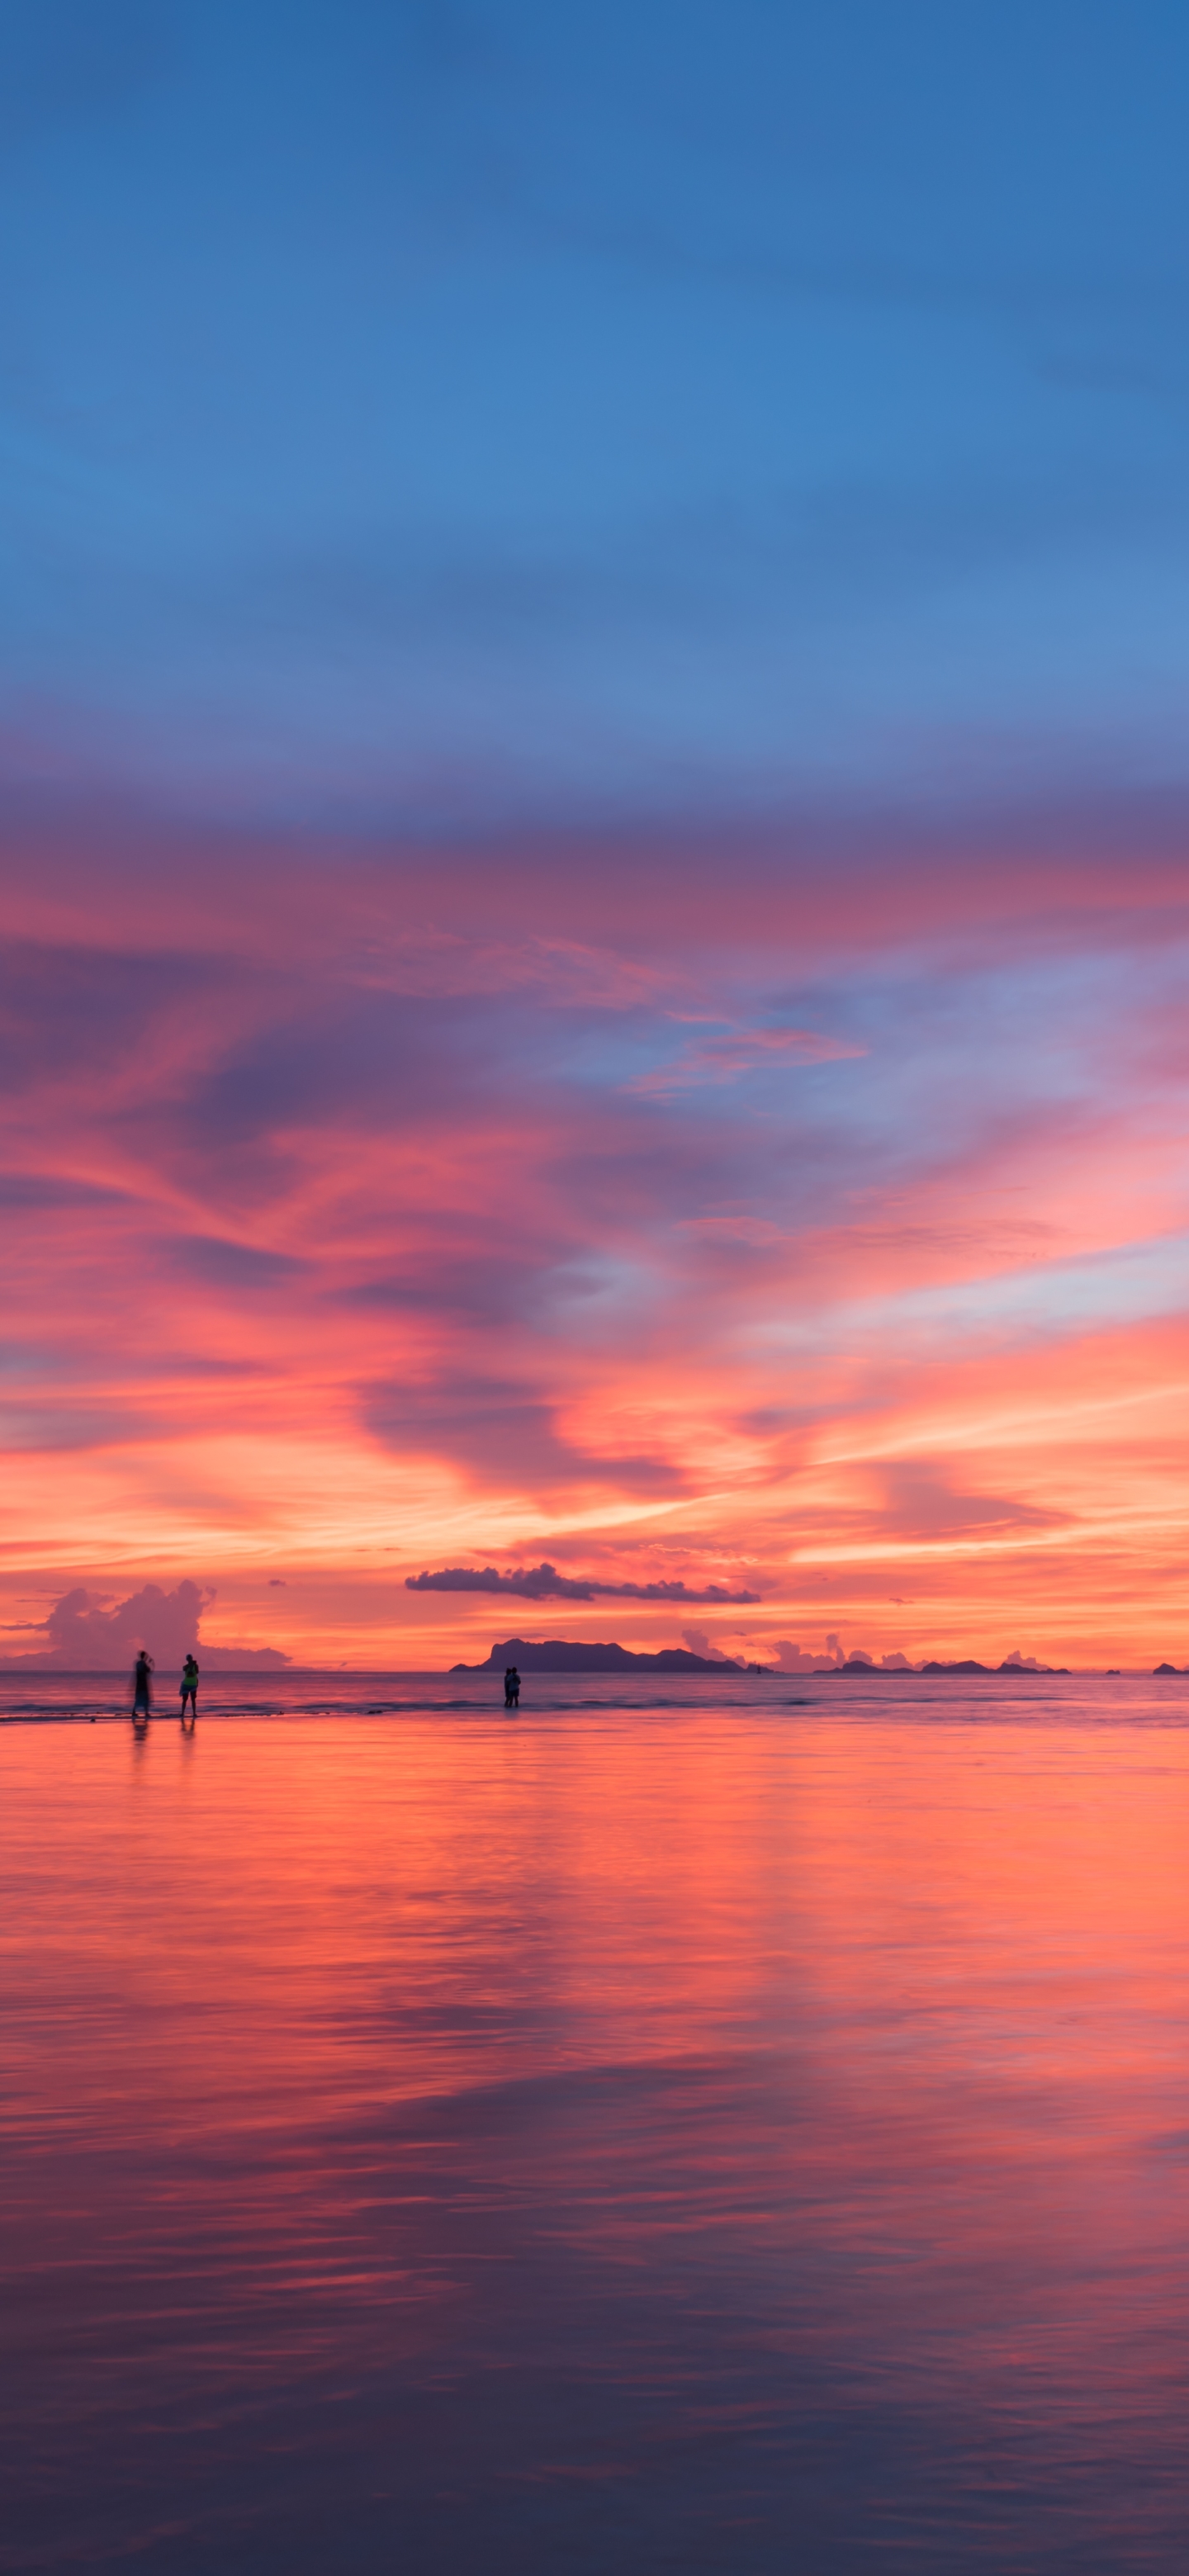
360	1217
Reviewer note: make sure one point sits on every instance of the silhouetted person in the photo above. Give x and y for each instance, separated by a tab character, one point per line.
190	1687
511	1687
142	1688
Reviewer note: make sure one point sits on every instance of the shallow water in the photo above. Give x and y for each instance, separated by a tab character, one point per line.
681	2135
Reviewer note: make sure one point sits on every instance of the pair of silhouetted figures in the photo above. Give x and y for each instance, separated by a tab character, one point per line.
511	1687
142	1688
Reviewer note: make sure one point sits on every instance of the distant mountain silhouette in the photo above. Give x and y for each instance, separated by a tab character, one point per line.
1027	1672
561	1655
565	1655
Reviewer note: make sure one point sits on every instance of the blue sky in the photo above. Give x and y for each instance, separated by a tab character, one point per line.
441	415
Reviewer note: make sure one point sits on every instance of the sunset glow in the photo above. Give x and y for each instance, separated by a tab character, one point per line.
593	827
594	1330
350	1236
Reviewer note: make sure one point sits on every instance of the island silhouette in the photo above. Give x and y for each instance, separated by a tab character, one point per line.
574	1655
562	1655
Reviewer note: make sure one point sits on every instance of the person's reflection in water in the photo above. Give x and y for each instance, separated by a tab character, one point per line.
142	1689
511	1687
189	1686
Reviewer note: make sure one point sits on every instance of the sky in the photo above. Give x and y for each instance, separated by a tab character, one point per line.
593	854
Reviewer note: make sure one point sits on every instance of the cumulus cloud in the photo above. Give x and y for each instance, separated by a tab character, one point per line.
791	1658
544	1583
85	1632
701	1644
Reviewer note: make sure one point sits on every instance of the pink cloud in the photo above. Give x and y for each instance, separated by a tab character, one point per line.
725	1059
341	1227
86	1633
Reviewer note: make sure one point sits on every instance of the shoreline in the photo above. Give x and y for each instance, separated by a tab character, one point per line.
314	1693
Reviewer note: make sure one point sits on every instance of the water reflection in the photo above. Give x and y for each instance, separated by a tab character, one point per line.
723	2142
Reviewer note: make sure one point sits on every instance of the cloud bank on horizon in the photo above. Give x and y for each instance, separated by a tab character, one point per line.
544	1583
593	820
86	1633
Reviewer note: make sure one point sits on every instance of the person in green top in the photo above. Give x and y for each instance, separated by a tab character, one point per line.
190	1687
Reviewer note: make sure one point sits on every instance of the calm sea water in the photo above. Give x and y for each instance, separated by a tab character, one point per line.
743	2132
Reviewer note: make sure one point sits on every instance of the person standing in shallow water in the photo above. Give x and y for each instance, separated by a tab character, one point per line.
511	1687
190	1687
142	1688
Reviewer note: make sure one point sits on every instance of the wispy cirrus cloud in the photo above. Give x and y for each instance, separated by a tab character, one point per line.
706	1062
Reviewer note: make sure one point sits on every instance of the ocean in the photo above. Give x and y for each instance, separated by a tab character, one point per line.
726	2124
